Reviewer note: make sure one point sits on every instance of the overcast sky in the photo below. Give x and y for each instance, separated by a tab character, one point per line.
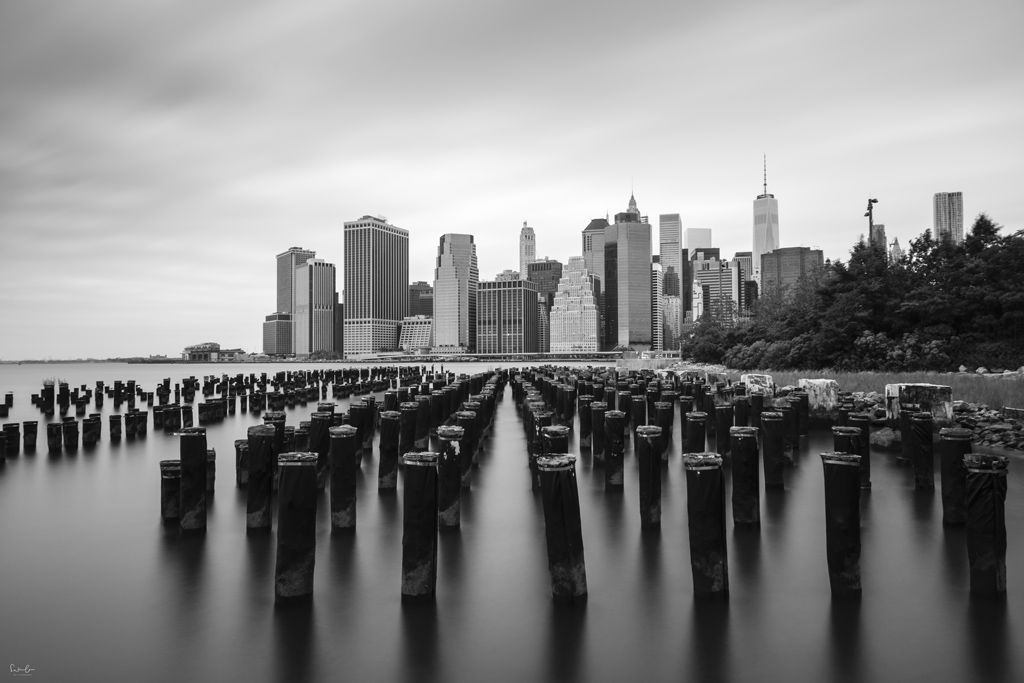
155	156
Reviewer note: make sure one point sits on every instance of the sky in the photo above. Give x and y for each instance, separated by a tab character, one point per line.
155	156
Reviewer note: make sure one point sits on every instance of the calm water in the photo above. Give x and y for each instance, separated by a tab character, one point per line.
94	588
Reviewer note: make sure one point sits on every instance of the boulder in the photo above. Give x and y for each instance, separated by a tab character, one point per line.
759	384
822	395
982	370
886	438
934	398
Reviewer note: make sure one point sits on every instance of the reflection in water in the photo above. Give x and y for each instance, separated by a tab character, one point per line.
746	544
566	627
651	584
923	504
845	637
420	656
989	639
709	636
450	558
184	557
954	544
294	641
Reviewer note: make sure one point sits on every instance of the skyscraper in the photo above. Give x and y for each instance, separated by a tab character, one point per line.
573	319
455	285
766	225
313	326
627	280
277	334
421	299
745	262
507	316
657	315
376	284
593	259
716	290
783	268
671	251
287	262
693	239
527	249
949	217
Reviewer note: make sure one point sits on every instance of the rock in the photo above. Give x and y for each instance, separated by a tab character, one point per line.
962	368
822	395
886	438
1001	427
759	384
935	398
982	370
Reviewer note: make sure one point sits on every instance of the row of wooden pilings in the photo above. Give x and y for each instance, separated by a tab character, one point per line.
287	389
295	464
747	429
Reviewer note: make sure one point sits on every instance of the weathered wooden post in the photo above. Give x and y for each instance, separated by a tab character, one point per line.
407	431
648	451
241	463
320	443
723	423
419	527
296	527
450	470
746	480
343	444
705	505
696	434
986	522
387	465
842	522
614	422
54	437
170	492
597	430
923	456
773	445
954	444
70	434
261	478
563	527
862	445
586	420
193	479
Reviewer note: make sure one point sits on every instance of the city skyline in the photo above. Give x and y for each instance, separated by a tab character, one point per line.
154	160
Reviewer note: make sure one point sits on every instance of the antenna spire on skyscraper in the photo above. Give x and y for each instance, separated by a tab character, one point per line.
764	158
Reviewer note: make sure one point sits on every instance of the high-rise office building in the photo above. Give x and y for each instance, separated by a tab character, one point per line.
716	290
766	226
744	260
313	319
693	239
376	285
627	280
527	249
543	325
657	315
949	217
574	320
546	274
339	326
593	259
506	316
455	287
421	299
783	268
416	335
277	334
287	262
671	251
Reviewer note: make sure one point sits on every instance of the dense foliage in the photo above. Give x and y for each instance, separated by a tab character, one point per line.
940	306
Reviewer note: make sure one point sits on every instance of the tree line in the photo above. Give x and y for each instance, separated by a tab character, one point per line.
940	306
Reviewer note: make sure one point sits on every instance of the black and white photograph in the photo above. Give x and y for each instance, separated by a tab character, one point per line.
511	341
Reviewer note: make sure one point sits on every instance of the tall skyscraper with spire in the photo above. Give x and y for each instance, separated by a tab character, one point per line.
627	280
766	225
527	249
